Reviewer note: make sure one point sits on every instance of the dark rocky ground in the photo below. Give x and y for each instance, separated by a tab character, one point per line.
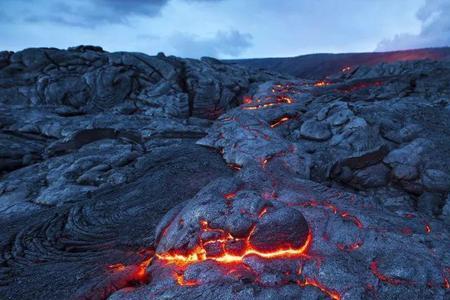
126	176
320	65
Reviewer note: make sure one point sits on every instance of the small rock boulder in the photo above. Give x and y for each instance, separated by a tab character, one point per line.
371	177
316	131
436	180
280	229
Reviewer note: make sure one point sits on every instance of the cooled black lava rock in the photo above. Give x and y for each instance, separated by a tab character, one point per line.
281	229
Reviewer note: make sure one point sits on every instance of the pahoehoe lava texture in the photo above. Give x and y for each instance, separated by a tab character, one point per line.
127	176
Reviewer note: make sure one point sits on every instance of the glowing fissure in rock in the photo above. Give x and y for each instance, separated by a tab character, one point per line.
322	83
280	99
142	269
351	247
345	215
229	195
446	284
234	167
199	253
279	121
182	282
346	69
119	267
262	212
247	100
333	294
284	99
385	278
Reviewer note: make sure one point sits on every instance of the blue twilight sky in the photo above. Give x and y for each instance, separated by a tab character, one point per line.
226	28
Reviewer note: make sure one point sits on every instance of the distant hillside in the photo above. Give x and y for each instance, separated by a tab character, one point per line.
317	66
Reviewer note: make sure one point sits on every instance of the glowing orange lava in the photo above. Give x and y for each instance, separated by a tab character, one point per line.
263	212
427	228
335	295
278	122
259	106
446	284
229	195
142	270
117	267
321	83
180	280
200	253
280	99
284	99
247	100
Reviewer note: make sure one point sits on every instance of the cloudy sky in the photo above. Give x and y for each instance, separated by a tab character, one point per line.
226	28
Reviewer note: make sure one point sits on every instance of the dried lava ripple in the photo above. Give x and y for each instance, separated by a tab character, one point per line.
92	248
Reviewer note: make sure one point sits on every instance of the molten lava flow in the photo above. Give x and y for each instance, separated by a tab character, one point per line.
384	278
335	295
180	280
259	106
142	269
279	121
262	212
247	100
284	88
117	267
227	256
321	83
229	195
271	101
446	284
427	228
284	99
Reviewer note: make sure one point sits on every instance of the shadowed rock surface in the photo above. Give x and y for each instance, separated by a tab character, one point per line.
318	66
126	176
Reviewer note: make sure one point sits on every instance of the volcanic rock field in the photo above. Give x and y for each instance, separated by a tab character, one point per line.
127	176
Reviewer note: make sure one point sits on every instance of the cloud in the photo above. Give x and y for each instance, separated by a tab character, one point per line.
435	29
84	13
223	43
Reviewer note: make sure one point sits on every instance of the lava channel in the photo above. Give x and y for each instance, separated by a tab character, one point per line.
227	254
